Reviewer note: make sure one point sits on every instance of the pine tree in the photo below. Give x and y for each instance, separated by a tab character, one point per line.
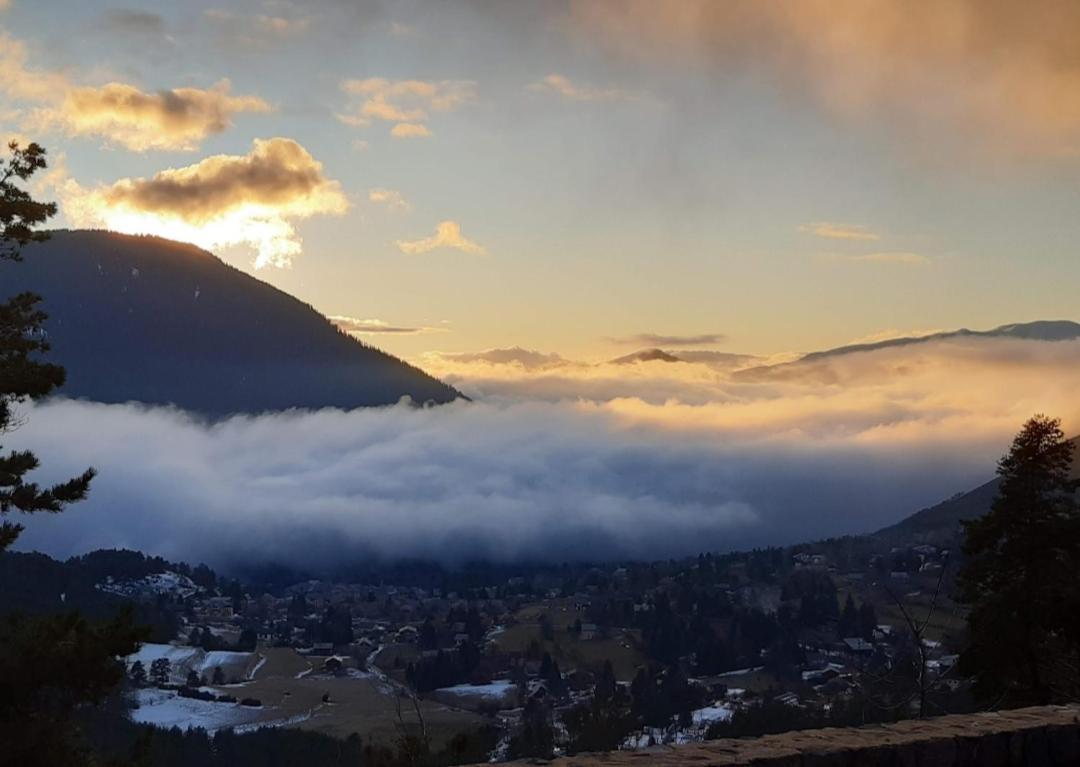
1020	577
160	671
22	336
137	673
49	665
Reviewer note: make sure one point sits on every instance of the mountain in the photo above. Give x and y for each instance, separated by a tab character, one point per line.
646	355
941	521
723	360
818	362
149	320
1040	330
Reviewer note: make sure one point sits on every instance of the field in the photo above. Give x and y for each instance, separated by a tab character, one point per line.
571	652
294	693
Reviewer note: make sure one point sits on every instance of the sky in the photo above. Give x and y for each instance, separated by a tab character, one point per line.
512	195
577	176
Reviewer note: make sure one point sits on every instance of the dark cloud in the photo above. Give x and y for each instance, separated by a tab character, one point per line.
134	21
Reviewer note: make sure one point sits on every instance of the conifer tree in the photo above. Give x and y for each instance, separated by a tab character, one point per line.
50	666
22	336
1020	577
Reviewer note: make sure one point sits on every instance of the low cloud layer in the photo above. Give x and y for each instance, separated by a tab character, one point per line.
220	201
561	460
530	481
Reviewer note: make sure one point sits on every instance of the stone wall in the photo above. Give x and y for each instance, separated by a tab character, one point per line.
1026	737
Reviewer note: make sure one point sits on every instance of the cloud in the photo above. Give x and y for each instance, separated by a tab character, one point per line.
177	119
839	231
131	21
562	86
121	114
408	103
220	201
969	75
675	459
355	326
905	258
20	83
839	445
447	235
654	339
255	31
410	130
390	198
526	359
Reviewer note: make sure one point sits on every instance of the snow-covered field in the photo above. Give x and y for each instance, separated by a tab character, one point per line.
167	582
496	690
164	708
718	712
184	659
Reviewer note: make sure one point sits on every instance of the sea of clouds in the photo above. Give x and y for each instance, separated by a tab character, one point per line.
574	462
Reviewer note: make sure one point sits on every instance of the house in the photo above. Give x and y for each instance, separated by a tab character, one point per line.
858	646
589	631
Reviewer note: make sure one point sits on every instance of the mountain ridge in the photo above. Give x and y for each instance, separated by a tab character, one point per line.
149	320
942	520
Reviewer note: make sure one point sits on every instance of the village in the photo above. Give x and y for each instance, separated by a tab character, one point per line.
559	658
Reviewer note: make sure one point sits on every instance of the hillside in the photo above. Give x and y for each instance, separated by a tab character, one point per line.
1047	331
1040	330
942	520
149	320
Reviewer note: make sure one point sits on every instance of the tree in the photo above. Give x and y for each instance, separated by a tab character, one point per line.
137	673
159	671
218	676
22	336
1020	577
51	665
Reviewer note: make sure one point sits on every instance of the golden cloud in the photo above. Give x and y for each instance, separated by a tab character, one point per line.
404	102
934	389
447	235
175	119
839	231
392	199
220	201
562	86
997	76
410	130
356	326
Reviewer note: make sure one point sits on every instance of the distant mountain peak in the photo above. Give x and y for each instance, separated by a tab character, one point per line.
1039	330
646	355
